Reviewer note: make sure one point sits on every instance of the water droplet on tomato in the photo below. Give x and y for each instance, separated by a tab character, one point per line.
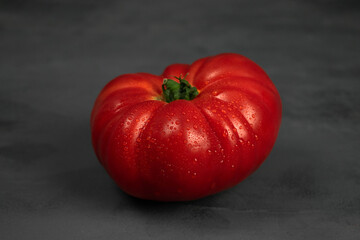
225	133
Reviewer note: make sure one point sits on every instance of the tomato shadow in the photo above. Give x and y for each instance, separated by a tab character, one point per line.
149	205
200	215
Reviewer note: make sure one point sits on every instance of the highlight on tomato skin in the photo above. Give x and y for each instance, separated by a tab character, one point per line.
195	130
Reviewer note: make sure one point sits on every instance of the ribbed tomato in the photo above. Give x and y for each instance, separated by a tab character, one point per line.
203	131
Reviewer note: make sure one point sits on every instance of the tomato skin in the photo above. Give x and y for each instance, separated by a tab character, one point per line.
185	150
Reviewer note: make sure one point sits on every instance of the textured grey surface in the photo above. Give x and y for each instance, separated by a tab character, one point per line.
57	55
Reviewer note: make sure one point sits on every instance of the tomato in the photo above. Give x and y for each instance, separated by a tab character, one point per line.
203	129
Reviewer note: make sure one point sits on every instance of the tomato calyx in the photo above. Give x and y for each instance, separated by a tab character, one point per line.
173	90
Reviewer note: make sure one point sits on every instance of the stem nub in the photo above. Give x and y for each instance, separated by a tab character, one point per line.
173	90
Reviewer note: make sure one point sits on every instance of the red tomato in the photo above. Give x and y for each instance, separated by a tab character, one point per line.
186	149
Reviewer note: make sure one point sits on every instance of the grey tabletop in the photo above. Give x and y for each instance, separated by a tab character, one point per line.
57	55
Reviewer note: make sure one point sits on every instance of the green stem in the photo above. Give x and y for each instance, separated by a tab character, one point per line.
173	90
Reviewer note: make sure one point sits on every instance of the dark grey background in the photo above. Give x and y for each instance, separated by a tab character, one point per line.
57	55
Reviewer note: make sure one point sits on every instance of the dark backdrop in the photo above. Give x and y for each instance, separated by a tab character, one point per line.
57	55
